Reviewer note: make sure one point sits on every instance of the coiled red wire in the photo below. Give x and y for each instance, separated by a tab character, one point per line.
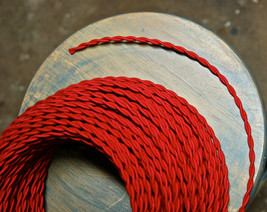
166	153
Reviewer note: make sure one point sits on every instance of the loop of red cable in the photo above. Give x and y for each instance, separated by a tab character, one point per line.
166	153
163	148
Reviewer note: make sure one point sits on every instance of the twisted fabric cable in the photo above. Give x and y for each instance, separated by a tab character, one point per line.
166	153
203	62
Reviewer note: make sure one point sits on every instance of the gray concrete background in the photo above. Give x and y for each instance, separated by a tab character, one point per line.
31	29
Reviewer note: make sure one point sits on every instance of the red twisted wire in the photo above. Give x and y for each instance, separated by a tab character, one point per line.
204	63
165	151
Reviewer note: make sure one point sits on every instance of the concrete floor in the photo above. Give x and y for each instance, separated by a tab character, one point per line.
31	29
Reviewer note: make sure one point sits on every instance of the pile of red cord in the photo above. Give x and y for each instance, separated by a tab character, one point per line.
166	153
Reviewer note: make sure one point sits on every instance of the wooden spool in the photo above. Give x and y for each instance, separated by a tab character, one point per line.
81	179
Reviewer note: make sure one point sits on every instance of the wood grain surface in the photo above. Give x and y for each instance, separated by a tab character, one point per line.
81	179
